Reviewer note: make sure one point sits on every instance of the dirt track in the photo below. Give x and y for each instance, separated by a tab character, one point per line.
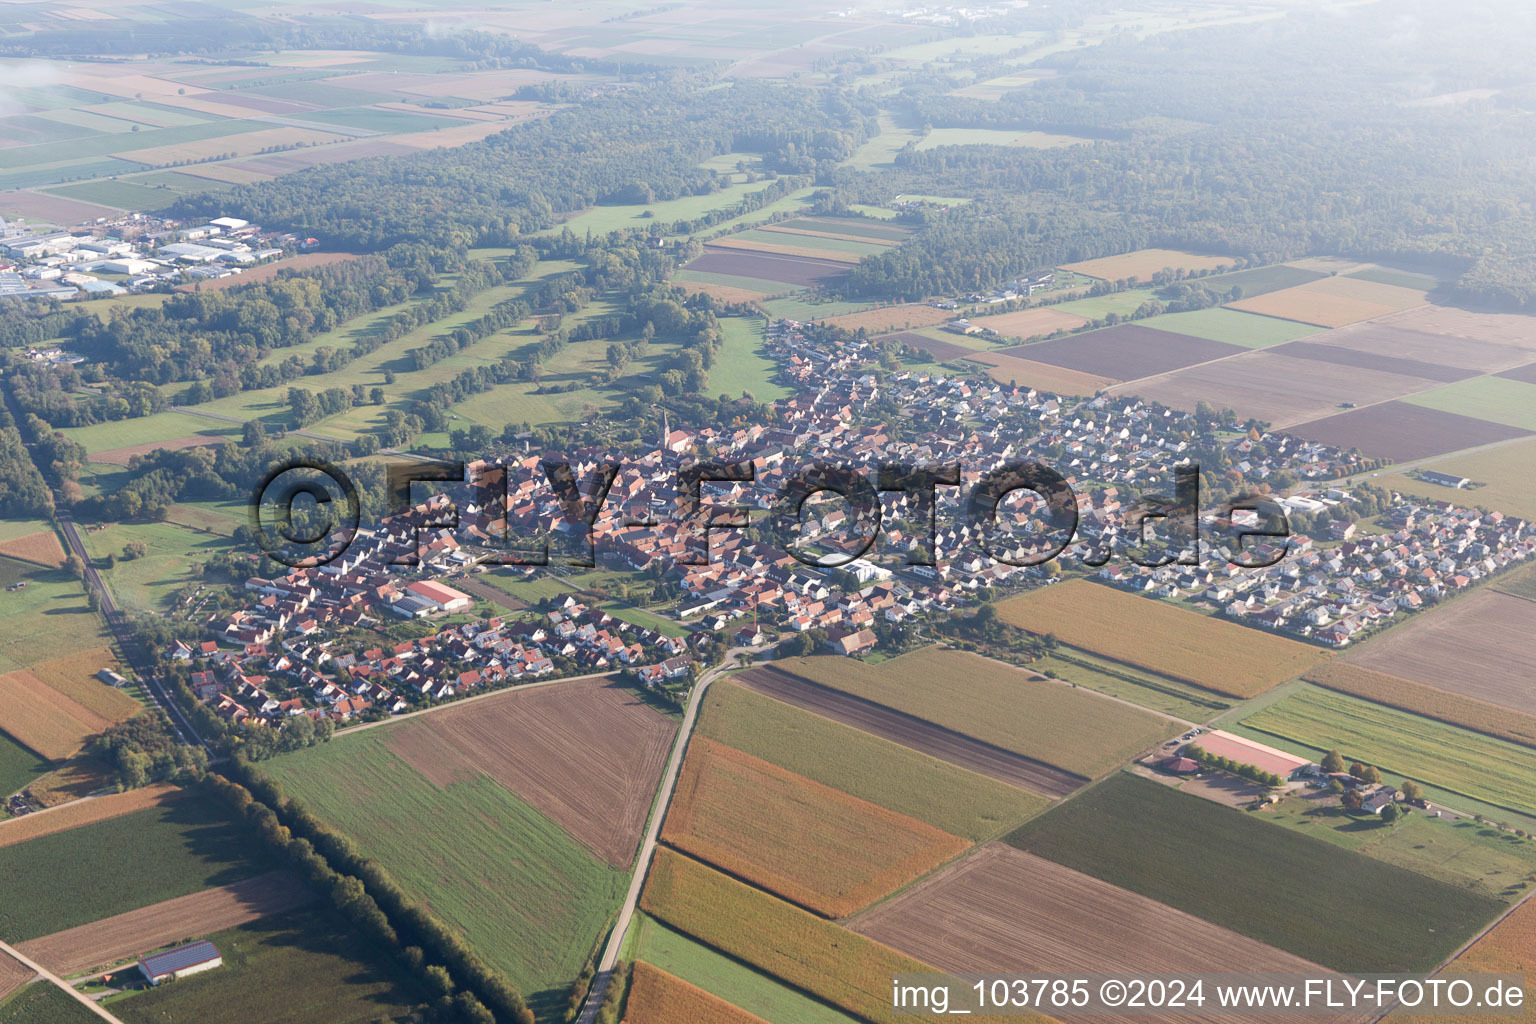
910	731
139	931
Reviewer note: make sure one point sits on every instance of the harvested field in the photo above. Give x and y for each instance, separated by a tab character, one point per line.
891	318
852	227
1475	645
1333	301
810	844
1382	338
1509	948
1525	373
1338	355
1005	911
1031	323
793	270
48	208
139	931
1468	763
38	548
1441	705
1260	280
1278	389
122	456
228	173
1513	329
835	965
84	812
723	292
1144	263
1007	708
1272	884
269	271
12	976
807	251
944	351
1401	431
790	233
588	755
43	719
243	144
1125	351
458	135
1160	638
656	997
1006	369
74	675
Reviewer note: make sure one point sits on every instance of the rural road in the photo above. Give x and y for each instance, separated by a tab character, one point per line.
48	975
648	847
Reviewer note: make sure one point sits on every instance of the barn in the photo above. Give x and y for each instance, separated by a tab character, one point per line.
181	962
445	598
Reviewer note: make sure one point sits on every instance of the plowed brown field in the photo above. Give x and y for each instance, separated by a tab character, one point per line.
587	754
140	931
811	844
74	676
42	718
12	976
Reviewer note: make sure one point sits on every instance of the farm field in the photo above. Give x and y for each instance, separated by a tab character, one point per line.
138	932
997	704
1511	329
994	137
150	583
52	604
1144	263
1403	432
602	219
74	675
803	841
1452	708
1248	330
1344	355
782	270
1260	280
765	243
325	971
12	977
1003	910
656	997
1386	338
41	548
875	230
150	431
891	318
1471	646
950	798
1507	475
1500	399
1006	369
816	956
43	719
19	768
86	812
942	348
743	986
1273	885
43	1003
551	898
1031	323
1460	853
1509	948
174	849
1160	638
1432	752
588	755
1125	351
1098	306
1333	301
1115	679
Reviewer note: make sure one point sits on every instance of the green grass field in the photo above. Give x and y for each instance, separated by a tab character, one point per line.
995	137
839	246
112	867
1461	853
741	364
19	767
531	590
50	610
1262	280
1234	327
1099	306
44	1003
602	219
304	967
1167	696
1482	767
1292	891
996	704
390	121
530	899
150	583
751	284
1400	278
647	620
804	308
960	802
125	195
162	426
1499	399
105	145
1507	476
729	979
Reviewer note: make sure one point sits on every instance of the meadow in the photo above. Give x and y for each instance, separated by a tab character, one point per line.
530	899
1431	702
1500	399
150	583
1114	679
1160	638
948	797
741	366
1099	306
602	219
997	704
1233	869
1233	327
835	965
33	619
730	979
178	848
1433	752
1261	280
326	972
808	843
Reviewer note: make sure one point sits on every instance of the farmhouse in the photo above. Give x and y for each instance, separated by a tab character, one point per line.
445	599
181	962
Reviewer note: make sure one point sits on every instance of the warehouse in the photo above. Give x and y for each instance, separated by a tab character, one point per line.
181	962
